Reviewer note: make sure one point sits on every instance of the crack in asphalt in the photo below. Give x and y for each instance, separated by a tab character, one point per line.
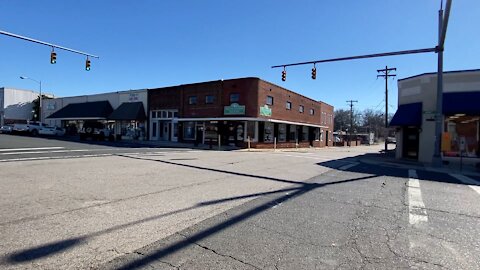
452	213
431	263
218	253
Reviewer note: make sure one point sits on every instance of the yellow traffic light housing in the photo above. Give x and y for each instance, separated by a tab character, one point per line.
87	65
314	73
53	57
284	75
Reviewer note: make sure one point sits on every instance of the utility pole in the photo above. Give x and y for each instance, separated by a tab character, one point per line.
351	121
385	74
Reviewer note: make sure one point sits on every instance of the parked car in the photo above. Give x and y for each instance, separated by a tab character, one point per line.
391	140
7	129
31	128
52	131
95	130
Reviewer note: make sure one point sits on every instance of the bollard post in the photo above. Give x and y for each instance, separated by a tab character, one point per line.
219	143
248	140
296	143
274	143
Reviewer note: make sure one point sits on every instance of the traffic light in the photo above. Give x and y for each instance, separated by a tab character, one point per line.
284	75
314	73
53	58
87	65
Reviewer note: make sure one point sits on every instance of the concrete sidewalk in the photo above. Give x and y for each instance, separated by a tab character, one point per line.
390	160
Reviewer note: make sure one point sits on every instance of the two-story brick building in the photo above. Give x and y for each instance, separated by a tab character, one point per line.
236	112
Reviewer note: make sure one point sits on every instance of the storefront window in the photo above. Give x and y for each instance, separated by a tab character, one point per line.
211	131
317	134
282	132
189	131
268	132
461	136
251	130
293	133
175	130
304	133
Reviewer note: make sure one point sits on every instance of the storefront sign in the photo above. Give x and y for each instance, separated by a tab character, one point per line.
234	109
133	97
265	111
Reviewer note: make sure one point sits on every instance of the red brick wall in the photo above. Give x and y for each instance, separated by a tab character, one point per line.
280	97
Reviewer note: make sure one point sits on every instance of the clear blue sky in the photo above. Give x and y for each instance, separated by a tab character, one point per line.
148	44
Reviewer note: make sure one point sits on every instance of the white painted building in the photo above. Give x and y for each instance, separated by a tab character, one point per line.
16	105
123	111
415	121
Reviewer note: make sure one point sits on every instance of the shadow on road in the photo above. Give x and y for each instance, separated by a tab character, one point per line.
386	165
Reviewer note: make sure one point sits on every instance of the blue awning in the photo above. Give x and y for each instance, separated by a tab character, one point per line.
408	115
461	102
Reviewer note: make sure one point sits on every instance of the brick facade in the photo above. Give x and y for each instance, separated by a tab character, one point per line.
207	100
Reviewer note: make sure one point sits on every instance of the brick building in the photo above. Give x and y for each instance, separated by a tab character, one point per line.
237	111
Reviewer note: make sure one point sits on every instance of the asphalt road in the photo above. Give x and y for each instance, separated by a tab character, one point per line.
151	208
15	148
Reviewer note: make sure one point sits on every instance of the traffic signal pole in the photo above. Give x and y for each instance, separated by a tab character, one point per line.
46	43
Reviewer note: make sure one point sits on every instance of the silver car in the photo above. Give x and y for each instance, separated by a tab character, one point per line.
7	129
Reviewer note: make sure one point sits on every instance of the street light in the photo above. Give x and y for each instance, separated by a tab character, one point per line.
40	99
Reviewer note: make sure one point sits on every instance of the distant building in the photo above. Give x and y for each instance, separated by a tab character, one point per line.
236	112
123	111
415	116
16	105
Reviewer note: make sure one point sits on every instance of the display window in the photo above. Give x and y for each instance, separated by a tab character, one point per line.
189	131
268	132
282	132
461	136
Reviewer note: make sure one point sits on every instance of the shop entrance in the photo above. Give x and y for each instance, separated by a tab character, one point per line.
410	142
165	127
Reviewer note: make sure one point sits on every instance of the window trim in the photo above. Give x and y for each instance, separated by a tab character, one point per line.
190	99
234	94
271	103
206	99
301	108
312	111
288	105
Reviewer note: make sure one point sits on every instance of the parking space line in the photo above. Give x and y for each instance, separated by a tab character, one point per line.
469	181
58	151
416	208
31	149
54	157
348	166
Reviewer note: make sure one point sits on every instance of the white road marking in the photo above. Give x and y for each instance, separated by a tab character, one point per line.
31	149
56	151
469	181
55	157
416	208
348	166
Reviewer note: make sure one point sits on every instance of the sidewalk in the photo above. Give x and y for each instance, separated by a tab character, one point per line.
168	144
390	160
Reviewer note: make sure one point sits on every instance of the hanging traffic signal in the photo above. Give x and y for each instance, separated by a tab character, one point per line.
314	73
87	65
53	58
284	75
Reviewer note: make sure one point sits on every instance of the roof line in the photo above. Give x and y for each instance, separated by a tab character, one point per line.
434	73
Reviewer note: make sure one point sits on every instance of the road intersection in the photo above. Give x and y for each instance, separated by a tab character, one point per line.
68	205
